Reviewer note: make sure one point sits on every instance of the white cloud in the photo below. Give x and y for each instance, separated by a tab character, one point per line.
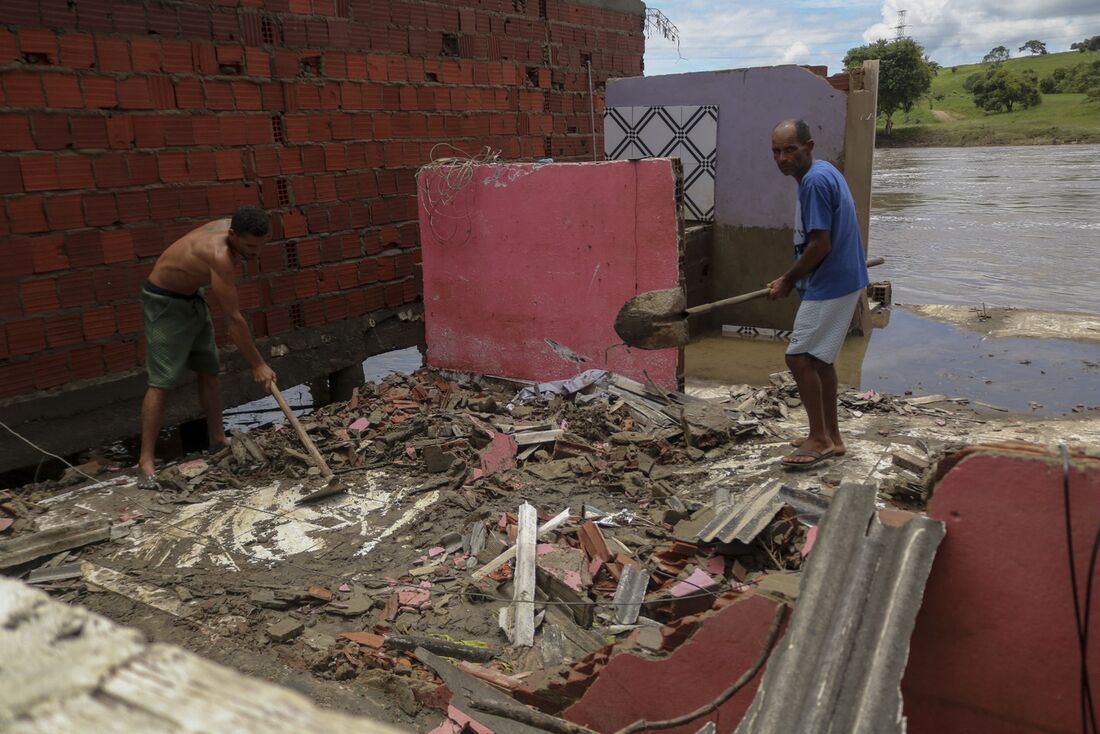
761	33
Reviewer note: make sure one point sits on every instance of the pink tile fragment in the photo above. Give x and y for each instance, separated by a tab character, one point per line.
344	587
696	582
359	424
543	548
499	455
811	538
435	551
5	523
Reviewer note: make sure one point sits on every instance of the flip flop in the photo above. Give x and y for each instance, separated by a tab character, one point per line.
817	456
796	442
147	482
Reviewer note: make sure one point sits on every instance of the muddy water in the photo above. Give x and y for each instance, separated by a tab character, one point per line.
1010	226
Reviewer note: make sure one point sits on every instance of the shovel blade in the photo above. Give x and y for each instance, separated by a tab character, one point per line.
654	320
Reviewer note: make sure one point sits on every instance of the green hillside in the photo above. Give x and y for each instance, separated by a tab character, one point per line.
949	117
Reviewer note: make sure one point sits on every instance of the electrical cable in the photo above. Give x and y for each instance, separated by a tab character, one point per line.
1088	713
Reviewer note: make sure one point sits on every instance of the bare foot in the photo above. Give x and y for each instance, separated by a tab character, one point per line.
838	445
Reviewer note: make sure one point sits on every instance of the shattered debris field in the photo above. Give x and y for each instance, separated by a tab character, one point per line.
529	534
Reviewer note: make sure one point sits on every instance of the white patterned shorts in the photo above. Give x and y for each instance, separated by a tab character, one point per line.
820	326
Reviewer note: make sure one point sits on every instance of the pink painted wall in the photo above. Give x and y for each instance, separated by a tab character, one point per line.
995	647
515	254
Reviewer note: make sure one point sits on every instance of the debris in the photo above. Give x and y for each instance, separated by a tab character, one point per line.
56	573
367	639
550	525
629	594
593	542
693	584
406	643
285	629
912	462
26	548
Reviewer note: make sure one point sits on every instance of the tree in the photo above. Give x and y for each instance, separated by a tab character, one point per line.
1001	89
1089	44
1035	47
999	53
904	76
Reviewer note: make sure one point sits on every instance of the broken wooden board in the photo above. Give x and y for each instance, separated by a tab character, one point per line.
27	548
629	594
550	525
523	580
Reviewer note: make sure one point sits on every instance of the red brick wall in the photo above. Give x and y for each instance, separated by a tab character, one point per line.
123	124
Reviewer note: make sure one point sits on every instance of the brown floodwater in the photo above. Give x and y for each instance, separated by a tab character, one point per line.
1008	226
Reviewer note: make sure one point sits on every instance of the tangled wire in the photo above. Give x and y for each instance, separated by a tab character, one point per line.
440	192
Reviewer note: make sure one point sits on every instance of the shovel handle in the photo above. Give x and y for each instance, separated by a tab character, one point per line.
704	308
302	435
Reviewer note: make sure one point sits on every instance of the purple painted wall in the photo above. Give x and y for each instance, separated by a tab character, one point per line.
749	191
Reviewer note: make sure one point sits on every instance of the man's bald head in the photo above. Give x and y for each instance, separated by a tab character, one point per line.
801	129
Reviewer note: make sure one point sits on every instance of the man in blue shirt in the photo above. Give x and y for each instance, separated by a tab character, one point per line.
830	272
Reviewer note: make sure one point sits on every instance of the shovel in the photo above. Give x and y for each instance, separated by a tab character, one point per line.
659	319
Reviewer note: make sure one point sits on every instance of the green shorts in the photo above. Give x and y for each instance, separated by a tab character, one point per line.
179	336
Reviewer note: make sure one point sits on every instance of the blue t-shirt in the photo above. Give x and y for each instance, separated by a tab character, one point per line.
825	202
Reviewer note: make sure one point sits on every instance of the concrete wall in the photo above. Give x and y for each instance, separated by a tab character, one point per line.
754	203
125	123
526	253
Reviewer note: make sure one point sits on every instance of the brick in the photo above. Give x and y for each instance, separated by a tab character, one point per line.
100	92
143	168
247	96
100	210
27	215
99	323
118	246
113	54
64	330
111	171
51	132
39	296
162	93
120	131
86	363
172	167
16	379
26	336
229	165
39	173
149	131
218	95
89	132
62	90
258	62
39	41
51	370
133	206
75	172
146	55
129	19
75	289
65	212
120	356
15	133
11	182
9	303
8	49
77	50
129	320
133	94
176	57
189	95
203	165
24	89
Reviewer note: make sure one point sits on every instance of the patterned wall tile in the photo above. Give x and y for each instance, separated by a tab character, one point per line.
689	133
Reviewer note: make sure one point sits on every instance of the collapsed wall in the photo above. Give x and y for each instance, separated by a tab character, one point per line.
126	123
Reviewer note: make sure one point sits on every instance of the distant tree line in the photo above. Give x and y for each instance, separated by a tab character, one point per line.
1089	44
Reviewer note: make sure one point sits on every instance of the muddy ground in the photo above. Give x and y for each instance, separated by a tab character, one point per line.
225	552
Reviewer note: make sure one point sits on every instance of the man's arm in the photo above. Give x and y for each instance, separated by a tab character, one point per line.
223	283
817	248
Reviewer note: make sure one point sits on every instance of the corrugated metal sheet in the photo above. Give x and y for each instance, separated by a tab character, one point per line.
839	666
745	516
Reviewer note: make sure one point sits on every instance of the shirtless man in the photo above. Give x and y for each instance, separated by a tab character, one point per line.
178	330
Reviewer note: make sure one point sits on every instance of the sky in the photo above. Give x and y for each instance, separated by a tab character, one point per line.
731	34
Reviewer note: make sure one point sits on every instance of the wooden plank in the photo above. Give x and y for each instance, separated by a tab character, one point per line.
527	438
27	548
523	580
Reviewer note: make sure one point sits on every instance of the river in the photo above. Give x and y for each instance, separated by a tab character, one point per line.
1007	226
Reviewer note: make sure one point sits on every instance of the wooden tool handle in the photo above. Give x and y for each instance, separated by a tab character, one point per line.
704	308
317	458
